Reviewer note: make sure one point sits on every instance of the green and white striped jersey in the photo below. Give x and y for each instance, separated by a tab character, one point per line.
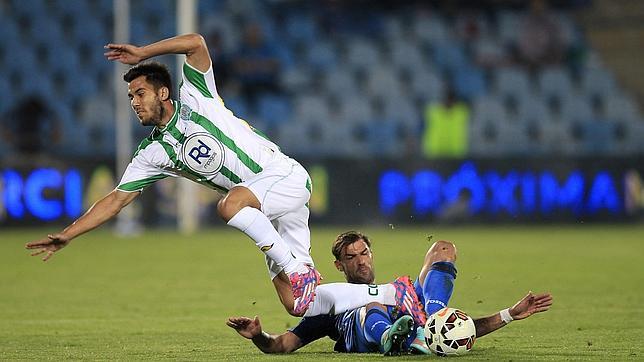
203	142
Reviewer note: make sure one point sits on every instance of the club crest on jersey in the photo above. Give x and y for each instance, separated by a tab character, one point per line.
185	112
203	153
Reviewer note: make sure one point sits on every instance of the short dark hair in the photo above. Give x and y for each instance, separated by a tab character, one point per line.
155	73
345	239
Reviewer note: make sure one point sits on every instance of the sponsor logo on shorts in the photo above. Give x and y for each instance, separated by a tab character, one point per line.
435	301
266	248
203	153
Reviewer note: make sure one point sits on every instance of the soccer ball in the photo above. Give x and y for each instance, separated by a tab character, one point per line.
450	332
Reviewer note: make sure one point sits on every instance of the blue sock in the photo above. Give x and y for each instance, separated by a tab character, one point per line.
377	321
438	286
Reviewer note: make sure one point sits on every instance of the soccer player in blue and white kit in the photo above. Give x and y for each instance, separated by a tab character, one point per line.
197	137
379	328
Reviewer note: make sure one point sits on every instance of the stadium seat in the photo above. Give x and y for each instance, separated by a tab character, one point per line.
38	83
10	35
427	86
212	7
340	81
274	110
45	29
533	109
621	108
225	27
322	56
362	54
555	83
344	140
469	83
576	109
103	6
355	109
312	139
295	80
488	109
430	29
598	82
490	138
284	56
27	8
89	30
310	107
402	110
300	28
405	55
597	137
512	83
384	137
382	81
509	21
393	30
488	51
628	138
449	56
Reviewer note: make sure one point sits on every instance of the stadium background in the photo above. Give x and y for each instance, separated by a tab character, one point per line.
552	127
553	134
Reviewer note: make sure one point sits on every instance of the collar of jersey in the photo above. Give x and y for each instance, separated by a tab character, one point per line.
173	120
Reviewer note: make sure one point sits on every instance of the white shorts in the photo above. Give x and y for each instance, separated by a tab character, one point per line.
283	190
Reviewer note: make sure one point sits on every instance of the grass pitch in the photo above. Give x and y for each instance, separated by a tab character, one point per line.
166	296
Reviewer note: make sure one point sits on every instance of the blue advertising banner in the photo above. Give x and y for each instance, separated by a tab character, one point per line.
357	192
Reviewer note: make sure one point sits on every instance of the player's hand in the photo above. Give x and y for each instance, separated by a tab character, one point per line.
49	245
246	327
531	304
124	53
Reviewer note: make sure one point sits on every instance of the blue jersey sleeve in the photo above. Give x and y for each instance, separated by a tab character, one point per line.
312	328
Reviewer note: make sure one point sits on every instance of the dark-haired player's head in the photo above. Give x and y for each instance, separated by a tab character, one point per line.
352	251
149	85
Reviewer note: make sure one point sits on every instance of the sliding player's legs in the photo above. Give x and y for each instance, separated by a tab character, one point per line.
373	329
434	286
435	282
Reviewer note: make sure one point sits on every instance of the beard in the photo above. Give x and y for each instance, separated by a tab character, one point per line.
155	115
366	276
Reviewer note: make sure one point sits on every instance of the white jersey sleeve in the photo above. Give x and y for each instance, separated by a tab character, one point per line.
147	167
196	85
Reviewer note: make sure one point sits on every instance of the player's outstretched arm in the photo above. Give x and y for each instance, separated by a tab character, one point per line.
268	343
192	45
524	308
103	210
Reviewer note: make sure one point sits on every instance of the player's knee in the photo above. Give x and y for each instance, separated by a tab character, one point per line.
225	209
291	311
441	251
235	200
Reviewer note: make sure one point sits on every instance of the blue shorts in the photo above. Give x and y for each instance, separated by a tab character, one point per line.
354	337
419	292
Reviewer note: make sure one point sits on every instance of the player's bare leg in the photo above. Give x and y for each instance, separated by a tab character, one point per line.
437	276
440	251
284	291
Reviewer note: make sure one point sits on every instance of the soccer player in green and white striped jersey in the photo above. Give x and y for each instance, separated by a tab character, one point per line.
197	137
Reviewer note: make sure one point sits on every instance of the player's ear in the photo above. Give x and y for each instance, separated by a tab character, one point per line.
164	93
338	266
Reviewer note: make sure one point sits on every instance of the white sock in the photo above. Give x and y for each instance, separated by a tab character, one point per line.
256	225
336	298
